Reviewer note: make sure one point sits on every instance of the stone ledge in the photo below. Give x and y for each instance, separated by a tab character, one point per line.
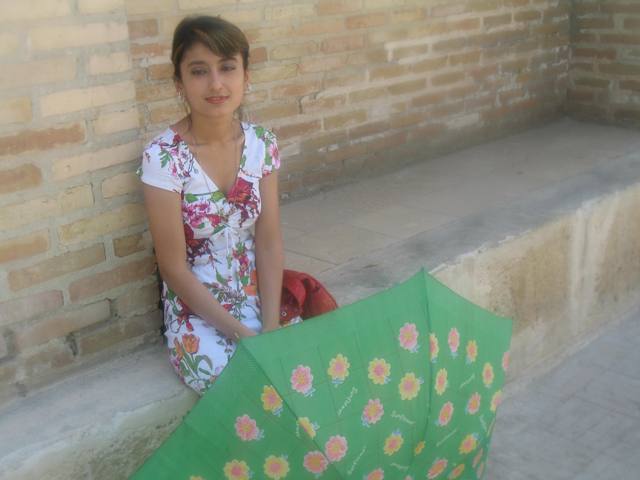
106	421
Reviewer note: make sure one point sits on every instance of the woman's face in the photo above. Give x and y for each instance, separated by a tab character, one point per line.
212	85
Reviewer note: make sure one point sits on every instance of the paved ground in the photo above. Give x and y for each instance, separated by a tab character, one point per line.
579	421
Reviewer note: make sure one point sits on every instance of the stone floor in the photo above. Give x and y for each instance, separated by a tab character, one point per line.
579	421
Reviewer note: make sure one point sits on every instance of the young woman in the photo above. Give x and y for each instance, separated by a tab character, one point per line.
211	194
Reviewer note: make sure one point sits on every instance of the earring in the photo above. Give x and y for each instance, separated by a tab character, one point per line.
248	88
181	96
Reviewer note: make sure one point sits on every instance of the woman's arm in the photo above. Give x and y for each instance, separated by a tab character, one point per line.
269	253
165	222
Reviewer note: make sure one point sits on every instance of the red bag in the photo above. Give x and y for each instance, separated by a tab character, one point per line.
304	296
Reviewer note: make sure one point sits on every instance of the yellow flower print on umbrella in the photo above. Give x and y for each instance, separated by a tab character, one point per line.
487	375
496	399
446	412
237	470
453	339
338	369
441	381
372	412
315	462
473	405
439	465
408	337
456	472
336	448
419	447
276	468
302	380
379	371
472	351
393	443
433	347
308	426
409	386
377	474
468	444
271	401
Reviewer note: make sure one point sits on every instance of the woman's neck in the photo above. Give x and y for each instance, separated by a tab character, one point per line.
211	131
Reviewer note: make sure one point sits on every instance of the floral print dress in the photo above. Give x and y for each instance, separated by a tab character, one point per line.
219	233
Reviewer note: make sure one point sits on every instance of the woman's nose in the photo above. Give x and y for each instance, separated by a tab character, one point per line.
215	79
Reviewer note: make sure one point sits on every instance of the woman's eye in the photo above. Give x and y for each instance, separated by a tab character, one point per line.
198	72
228	68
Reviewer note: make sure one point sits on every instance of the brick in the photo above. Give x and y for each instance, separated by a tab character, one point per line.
268	34
367	94
163	71
344	78
632	23
192	4
429	65
343	120
412	51
92	161
410	86
24	246
270	74
275	111
120	185
104	281
82	98
19	178
630	85
464	58
368	20
138	7
294	50
619	68
34	9
406	16
113	334
322	64
165	112
38	209
447	10
15	110
40	362
56	267
10	43
129	244
620	39
137	300
527	16
115	62
112	122
379	3
324	104
21	309
387	71
142	28
66	36
101	224
594	82
320	26
600	53
39	72
100	6
493	21
285	132
594	23
288	12
61	324
45	139
148	51
251	16
153	93
447	78
295	89
333	7
344	43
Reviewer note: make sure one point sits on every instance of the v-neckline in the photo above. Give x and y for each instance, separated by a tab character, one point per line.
206	176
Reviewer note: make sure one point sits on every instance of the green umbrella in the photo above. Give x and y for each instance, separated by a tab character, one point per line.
401	385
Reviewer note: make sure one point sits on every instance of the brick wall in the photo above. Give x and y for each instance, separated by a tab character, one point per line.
350	87
605	67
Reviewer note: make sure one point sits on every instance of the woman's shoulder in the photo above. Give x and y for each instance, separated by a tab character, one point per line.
260	132
261	143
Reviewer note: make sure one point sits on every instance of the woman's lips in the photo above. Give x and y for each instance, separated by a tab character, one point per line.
216	99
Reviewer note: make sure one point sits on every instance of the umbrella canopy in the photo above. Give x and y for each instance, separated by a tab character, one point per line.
401	385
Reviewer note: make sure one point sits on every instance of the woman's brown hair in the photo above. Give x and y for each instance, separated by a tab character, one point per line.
222	37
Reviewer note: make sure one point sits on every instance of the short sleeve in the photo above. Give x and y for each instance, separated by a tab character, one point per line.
271	154
158	169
